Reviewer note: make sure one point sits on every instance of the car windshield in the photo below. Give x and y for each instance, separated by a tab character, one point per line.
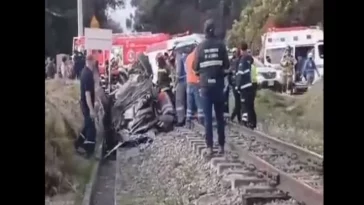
186	47
275	54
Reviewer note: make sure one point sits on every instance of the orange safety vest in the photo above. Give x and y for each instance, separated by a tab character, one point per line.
191	76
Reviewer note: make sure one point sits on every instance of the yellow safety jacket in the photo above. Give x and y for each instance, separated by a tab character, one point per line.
254	74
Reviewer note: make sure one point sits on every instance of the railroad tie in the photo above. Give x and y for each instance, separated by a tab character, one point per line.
221	167
258	189
214	161
195	143
199	148
243	172
215	150
250	199
239	180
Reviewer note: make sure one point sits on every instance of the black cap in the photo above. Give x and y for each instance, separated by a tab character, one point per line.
209	27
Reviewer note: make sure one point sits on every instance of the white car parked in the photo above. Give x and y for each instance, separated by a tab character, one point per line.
268	77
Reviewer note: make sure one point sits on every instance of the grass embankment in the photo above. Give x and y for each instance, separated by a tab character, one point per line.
298	119
65	173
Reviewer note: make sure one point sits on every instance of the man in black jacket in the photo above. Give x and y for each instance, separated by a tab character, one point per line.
211	63
245	86
87	138
232	78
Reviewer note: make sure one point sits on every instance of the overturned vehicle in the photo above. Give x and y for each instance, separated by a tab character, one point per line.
138	109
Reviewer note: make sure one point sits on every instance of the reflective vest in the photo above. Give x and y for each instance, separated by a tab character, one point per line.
254	74
191	76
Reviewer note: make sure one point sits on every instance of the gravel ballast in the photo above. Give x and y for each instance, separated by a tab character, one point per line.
167	172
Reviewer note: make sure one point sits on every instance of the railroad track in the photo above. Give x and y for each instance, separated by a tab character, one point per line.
260	168
263	167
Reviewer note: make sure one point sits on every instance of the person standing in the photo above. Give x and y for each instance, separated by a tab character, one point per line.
64	67
164	79
309	69
87	138
298	69
287	62
211	62
193	94
245	86
71	71
50	68
181	87
232	81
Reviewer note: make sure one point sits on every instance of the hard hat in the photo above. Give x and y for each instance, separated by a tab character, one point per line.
309	55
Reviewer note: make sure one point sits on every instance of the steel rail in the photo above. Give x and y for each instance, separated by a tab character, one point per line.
285	182
302	153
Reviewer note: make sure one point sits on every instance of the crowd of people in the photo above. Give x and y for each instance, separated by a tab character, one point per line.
200	75
194	77
296	70
69	68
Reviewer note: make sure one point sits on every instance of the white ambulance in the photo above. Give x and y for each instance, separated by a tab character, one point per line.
303	40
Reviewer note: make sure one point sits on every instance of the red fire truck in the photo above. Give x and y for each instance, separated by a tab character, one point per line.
126	46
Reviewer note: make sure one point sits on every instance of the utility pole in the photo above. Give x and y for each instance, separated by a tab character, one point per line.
222	15
79	18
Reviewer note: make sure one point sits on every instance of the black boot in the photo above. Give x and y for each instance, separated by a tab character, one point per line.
180	124
78	144
251	126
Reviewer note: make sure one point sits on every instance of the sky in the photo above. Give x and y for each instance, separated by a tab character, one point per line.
121	14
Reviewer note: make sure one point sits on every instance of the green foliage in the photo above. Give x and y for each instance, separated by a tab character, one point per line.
256	16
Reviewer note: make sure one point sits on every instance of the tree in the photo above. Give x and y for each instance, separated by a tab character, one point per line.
258	15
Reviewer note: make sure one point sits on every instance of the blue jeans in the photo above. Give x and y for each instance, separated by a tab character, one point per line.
310	77
193	102
87	138
213	96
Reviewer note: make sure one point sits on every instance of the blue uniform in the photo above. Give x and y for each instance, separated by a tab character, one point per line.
245	85
211	62
309	69
181	87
